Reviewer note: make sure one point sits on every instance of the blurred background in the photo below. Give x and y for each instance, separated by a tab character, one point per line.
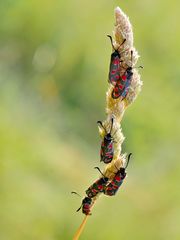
54	60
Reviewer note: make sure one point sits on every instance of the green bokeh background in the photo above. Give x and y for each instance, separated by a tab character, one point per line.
54	59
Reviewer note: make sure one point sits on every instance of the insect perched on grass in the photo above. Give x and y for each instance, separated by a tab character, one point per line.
107	148
97	186
118	179
122	85
114	68
86	204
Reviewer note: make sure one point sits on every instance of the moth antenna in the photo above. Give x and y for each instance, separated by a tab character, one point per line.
131	55
76	194
79	208
99	122
119	46
129	156
131	59
111	41
139	67
100	171
122	44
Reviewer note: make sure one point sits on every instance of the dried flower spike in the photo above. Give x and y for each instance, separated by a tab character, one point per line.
123	60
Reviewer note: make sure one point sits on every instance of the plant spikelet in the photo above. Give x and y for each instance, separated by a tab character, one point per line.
113	167
115	108
134	89
123	29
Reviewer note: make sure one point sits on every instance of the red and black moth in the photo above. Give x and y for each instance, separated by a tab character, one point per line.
123	84
114	68
97	186
107	148
92	191
86	205
112	188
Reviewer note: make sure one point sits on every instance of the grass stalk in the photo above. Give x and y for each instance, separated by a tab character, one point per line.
80	229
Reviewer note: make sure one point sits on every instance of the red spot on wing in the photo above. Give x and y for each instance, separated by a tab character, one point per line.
86	205
109	155
100	187
110	145
116	89
115	94
121	86
117	178
123	77
115	61
109	192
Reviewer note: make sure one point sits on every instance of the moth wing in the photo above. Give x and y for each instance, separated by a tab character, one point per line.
114	70
115	93
102	152
118	90
127	85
